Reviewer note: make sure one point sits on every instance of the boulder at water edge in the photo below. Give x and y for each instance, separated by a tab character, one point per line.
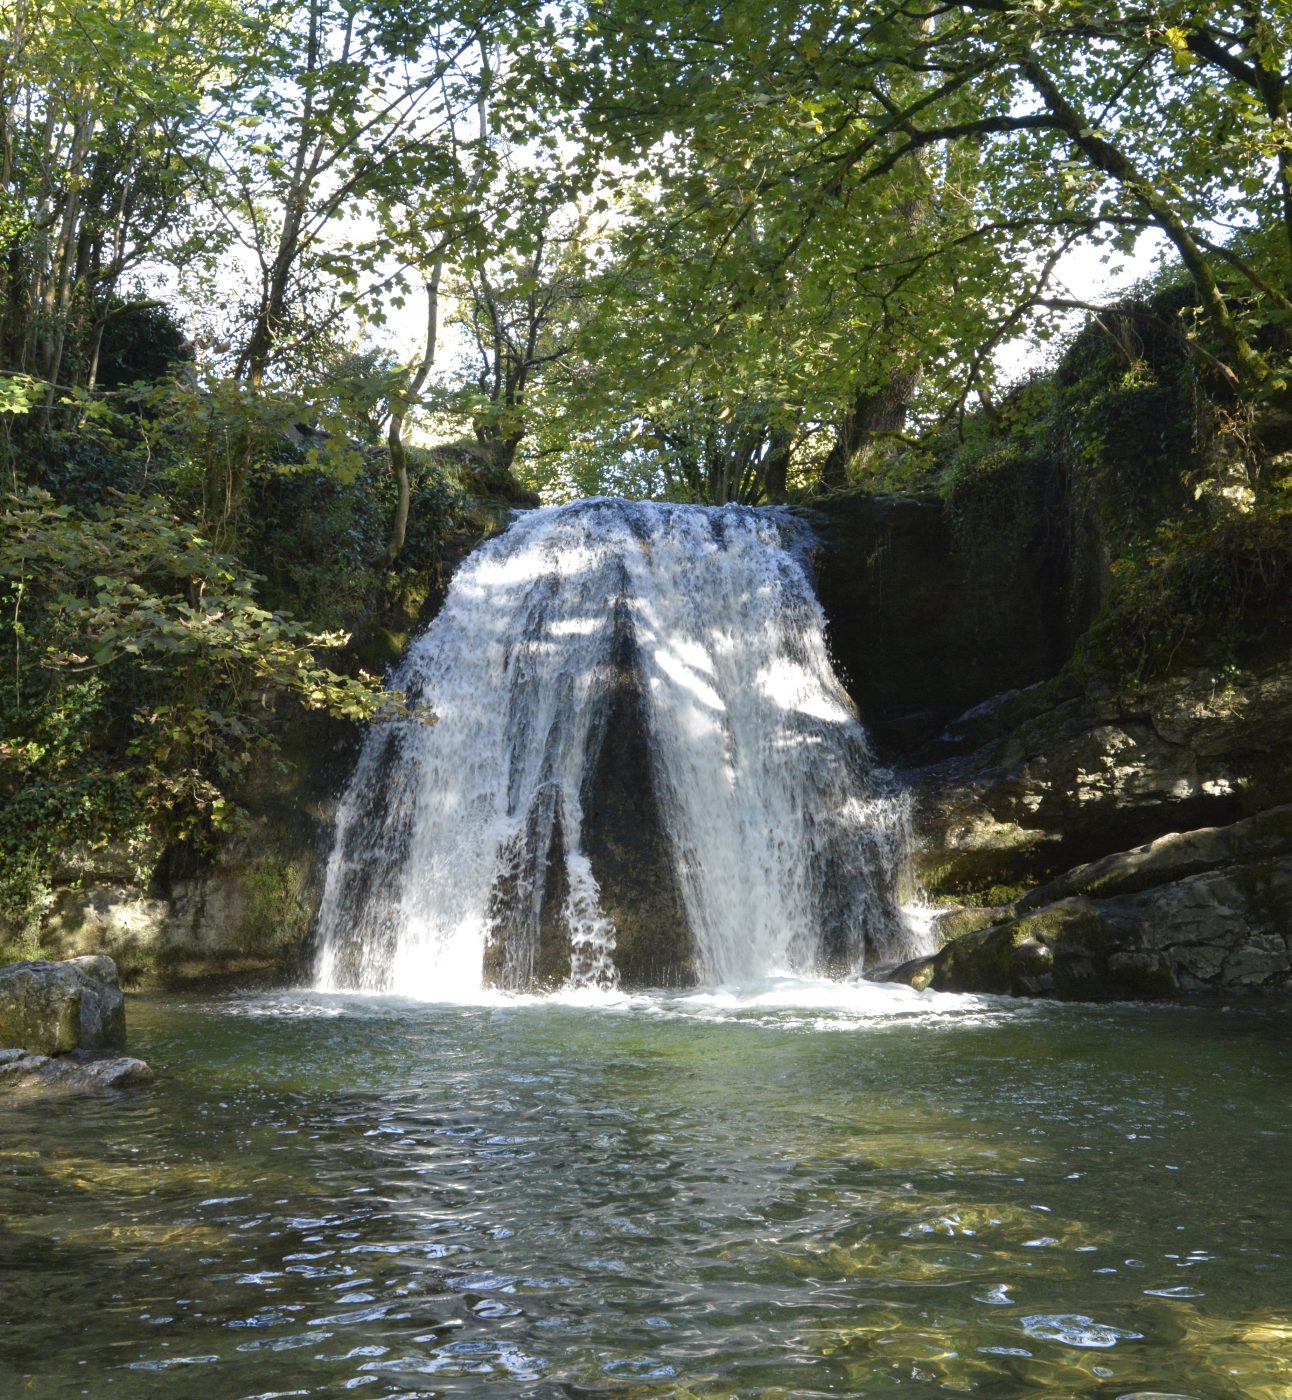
1197	911
54	1008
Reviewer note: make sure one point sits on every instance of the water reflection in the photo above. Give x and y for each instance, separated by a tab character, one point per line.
671	1197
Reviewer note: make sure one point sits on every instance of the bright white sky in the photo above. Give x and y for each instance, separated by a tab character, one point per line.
1083	275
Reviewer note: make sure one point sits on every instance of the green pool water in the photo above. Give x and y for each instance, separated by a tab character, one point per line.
803	1191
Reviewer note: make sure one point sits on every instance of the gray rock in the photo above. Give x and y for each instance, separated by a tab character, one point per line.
116	916
248	911
1174	856
42	1074
1062	779
103	1007
53	1008
1098	933
40	1007
99	967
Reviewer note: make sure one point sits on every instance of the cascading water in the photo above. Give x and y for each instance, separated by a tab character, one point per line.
617	683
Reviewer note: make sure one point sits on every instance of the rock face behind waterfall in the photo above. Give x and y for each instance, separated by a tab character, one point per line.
643	771
627	845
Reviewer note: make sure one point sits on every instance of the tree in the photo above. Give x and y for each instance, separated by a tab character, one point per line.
519	309
751	272
406	394
101	126
139	680
333	129
898	183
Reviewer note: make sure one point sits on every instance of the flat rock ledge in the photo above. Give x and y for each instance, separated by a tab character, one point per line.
1208	910
25	1074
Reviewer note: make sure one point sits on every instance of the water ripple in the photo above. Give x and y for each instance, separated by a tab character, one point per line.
574	1201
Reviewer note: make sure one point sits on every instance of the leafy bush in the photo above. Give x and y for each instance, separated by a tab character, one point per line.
140	679
1208	591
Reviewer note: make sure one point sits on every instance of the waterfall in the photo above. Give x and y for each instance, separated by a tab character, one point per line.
641	764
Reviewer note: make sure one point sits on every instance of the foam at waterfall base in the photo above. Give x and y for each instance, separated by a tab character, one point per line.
777	1003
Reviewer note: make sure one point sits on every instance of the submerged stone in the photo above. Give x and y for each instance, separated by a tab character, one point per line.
41	1074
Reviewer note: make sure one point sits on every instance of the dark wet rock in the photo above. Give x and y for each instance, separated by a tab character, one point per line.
1207	910
916	973
1113	839
53	1008
528	945
1061	779
919	627
1018	957
40	1075
630	858
630	855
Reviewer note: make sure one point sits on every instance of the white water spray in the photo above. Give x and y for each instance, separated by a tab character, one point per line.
454	840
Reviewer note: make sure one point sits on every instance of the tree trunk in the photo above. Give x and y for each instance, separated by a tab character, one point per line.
872	414
395	435
776	469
